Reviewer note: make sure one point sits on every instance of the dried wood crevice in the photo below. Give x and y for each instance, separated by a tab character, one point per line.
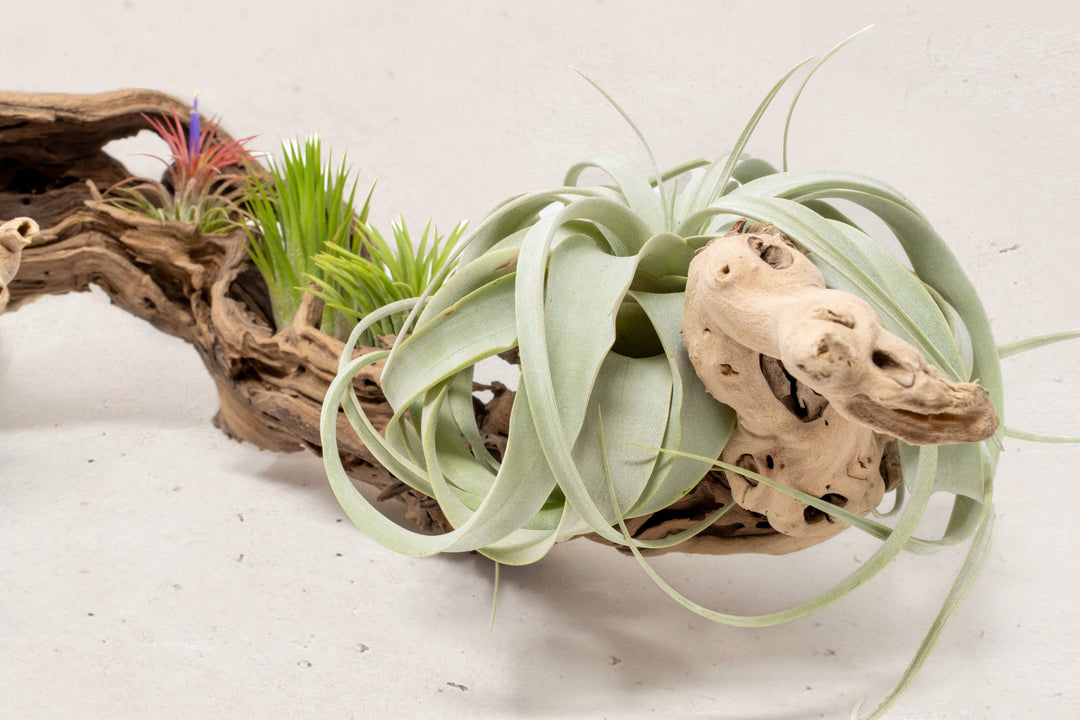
820	388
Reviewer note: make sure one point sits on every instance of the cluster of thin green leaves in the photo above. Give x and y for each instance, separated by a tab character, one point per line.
303	206
306	235
610	421
355	284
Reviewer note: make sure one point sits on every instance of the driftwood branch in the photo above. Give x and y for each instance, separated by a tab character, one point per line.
271	381
197	287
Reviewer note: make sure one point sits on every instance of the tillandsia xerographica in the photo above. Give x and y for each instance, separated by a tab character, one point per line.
611	422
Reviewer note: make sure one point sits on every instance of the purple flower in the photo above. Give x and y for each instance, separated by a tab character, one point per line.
199	159
193	129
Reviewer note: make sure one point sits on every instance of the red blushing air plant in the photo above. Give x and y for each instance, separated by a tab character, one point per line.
198	188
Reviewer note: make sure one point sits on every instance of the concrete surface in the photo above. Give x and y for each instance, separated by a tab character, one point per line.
151	568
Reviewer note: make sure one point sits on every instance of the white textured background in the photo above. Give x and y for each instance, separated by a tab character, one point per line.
151	568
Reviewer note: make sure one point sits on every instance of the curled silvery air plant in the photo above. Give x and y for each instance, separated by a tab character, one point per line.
629	306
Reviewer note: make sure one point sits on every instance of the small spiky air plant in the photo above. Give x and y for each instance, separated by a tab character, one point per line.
293	212
198	188
356	283
307	235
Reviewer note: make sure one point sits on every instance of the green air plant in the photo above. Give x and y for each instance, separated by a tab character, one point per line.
198	188
356	284
610	421
306	235
302	207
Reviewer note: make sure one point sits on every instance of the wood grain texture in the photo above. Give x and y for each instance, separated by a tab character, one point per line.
198	287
